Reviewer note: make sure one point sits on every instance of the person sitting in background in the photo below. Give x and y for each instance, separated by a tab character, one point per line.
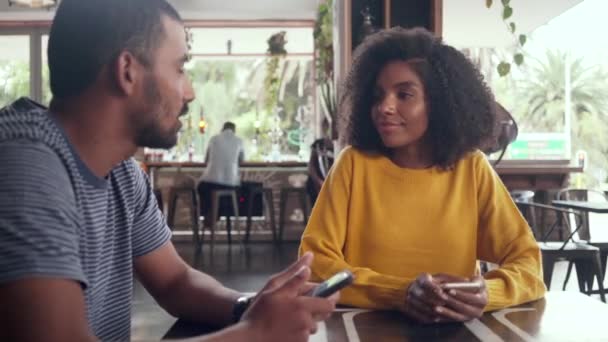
321	160
78	217
412	203
224	155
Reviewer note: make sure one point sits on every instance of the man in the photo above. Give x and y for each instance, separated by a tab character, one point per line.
78	217
224	154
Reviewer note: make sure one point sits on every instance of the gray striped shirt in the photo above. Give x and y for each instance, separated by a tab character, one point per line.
59	220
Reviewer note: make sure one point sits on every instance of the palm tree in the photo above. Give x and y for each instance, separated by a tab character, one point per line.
542	98
543	88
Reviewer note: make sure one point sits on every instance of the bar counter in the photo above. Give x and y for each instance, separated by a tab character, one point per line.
540	177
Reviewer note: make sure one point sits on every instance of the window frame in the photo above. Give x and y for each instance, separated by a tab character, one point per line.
35	33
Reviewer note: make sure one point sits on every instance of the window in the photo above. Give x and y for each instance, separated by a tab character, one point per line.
558	96
14	68
228	69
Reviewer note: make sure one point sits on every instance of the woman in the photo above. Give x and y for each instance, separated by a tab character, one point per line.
412	204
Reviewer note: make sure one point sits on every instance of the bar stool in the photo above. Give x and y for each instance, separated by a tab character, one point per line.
187	192
284	196
216	196
268	203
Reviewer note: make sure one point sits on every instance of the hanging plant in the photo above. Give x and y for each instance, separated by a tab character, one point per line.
504	67
324	62
272	82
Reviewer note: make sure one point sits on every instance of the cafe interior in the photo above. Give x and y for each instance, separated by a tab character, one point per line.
274	69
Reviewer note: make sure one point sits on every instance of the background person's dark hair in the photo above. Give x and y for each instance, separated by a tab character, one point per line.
229	125
86	35
461	106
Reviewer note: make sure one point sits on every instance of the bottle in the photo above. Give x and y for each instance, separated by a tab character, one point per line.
581	158
190	152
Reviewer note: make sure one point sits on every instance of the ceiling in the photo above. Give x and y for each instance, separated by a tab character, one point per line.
203	10
465	22
468	23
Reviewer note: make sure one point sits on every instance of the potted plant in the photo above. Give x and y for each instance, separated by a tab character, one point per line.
324	63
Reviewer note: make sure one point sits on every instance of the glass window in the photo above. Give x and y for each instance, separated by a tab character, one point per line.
231	87
14	67
558	95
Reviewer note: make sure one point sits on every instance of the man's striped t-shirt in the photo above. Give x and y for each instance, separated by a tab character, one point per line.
59	220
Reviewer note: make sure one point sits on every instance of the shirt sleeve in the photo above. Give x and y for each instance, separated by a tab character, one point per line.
506	239
150	230
38	215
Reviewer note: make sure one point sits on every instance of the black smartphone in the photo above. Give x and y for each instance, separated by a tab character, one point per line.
333	284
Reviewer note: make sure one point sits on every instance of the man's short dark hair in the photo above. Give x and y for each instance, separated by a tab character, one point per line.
229	125
86	35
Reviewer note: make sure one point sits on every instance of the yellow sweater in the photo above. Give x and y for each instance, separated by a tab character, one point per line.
389	224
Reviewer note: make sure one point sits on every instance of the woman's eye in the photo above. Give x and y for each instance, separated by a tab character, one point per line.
403	95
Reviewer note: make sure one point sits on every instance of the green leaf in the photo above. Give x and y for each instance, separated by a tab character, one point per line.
522	39
488	3
507	12
506	2
503	69
512	26
518	58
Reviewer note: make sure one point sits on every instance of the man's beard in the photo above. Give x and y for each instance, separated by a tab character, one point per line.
149	132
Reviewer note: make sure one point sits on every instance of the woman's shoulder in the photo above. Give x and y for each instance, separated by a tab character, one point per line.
475	161
353	153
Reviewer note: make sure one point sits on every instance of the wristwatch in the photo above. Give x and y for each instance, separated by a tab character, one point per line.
240	306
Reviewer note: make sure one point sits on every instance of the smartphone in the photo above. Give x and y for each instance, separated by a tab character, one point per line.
333	284
466	286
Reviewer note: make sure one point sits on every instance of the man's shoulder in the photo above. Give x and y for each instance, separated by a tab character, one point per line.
26	119
35	173
30	156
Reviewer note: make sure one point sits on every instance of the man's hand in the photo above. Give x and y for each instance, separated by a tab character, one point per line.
280	312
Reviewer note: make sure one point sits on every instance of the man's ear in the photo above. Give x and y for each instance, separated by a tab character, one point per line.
126	71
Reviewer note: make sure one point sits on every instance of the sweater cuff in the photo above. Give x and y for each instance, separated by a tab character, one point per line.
496	294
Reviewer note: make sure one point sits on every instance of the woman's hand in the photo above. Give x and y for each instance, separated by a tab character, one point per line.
423	296
464	305
427	302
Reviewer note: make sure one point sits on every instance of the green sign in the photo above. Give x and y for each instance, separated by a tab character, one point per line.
538	148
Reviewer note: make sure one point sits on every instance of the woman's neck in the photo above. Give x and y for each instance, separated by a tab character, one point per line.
414	156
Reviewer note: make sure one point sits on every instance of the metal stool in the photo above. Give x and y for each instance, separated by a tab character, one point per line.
216	196
268	200
285	192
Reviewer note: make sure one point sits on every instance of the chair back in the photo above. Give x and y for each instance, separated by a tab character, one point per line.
504	133
550	223
325	158
594	224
